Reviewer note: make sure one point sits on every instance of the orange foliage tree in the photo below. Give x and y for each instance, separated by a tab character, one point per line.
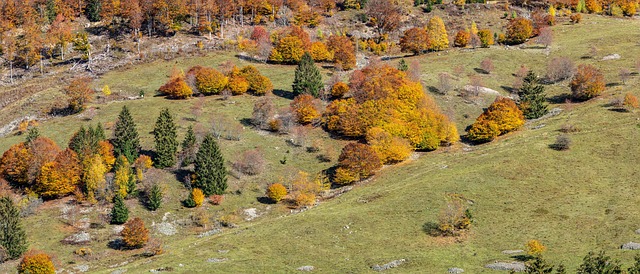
519	30
276	192
343	51
356	162
462	38
391	149
339	89
60	177
258	83
79	93
414	40
238	85
15	162
305	109
588	82
135	234
384	97
630	101
176	88
319	52
36	262
208	80
501	117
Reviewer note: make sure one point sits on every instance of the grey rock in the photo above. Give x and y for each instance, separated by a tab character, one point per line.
638	231
614	56
119	271
78	238
166	229
515	266
630	246
306	268
223	251
81	268
210	233
455	270
251	213
217	260
388	265
117	229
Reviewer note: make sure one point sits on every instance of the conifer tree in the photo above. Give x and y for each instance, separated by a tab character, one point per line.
12	234
155	197
126	141
99	133
165	139
211	175
532	100
188	147
402	66
437	34
307	77
119	212
32	134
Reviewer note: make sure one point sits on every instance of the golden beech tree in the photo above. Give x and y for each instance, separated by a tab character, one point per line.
501	117
305	109
208	80
320	53
36	262
438	39
391	149
288	50
276	192
588	82
238	85
356	162
486	38
93	173
258	83
462	39
415	40
176	88
60	177
519	30
135	234
304	189
339	89
343	51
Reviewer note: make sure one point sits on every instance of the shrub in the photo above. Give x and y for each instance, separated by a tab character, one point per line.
560	68
320	53
356	162
630	101
305	199
238	85
519	30
575	18
304	107
36	262
390	149
501	116
444	83
455	217
263	113
486	38
414	40
135	234
208	80
176	88
339	89
569	128
535	247
588	82
462	38
79	93
276	192
487	65
119	212
259	34
563	142
216	199
251	162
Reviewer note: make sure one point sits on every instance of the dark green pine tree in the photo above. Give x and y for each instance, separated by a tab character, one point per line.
76	143
126	141
188	147
166	140
92	10
119	212
12	234
532	98
402	66
99	133
154	197
32	134
211	175
307	78
538	266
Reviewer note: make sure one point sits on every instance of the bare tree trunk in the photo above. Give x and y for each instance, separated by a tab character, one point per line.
11	70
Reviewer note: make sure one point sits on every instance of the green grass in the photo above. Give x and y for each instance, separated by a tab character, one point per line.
573	201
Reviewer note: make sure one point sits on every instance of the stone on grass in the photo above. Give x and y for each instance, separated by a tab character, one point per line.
614	56
81	268
210	233
455	270
512	251
78	238
515	266
630	246
306	268
166	229
388	265
216	260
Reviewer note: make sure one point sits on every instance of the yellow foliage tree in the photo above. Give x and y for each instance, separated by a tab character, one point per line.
106	90
238	85
474	28
123	175
535	247
198	196
105	150
502	116
320	53
339	89
304	107
60	177
438	39
486	38
390	149
288	50
276	192
93	173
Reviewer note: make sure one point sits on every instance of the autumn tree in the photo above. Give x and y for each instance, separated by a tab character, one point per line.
165	137
535	248
60	177
305	109
15	163
461	39
60	34
276	192
176	88
438	39
390	149
123	176
415	40
195	199
93	178
79	93
532	97
288	50
135	234
12	234
356	162
210	172
238	85
126	141
501	117
343	51
208	80
320	53
486	38
307	79
454	218
263	111
81	44
588	82
36	262
385	16
258	83
339	89
630	101
119	211
519	30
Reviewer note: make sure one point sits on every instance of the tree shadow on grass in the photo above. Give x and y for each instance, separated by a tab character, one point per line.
559	99
265	200
431	228
284	94
117	244
479	70
522	257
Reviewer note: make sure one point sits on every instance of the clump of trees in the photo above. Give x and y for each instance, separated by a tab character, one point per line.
519	30
357	161
587	83
501	117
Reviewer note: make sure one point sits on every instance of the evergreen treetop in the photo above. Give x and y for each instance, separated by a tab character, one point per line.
12	235
532	97
211	175
126	140
307	77
165	137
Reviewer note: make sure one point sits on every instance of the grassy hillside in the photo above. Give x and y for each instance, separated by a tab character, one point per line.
573	201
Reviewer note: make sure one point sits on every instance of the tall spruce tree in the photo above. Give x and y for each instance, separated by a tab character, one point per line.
307	78
165	138
126	141
402	65
154	197
211	175
532	98
119	212
12	235
188	147
32	134
92	10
